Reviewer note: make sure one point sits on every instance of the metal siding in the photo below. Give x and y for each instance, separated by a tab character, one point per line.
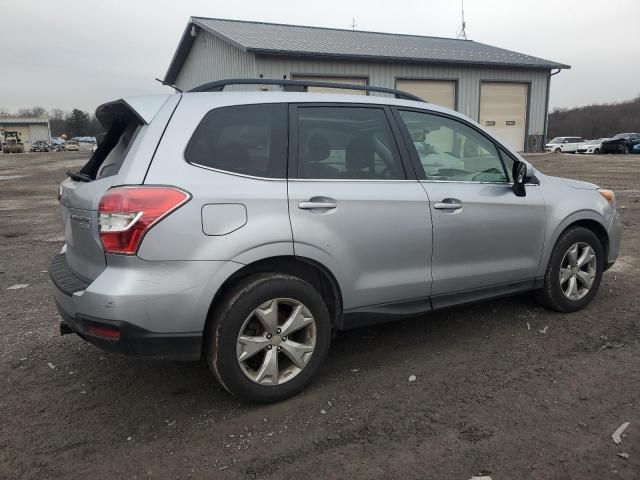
40	132
211	59
270	38
385	75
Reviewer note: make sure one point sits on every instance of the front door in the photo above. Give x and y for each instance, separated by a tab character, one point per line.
485	238
352	206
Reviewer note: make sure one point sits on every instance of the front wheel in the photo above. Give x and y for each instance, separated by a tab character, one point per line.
574	271
625	150
268	337
557	150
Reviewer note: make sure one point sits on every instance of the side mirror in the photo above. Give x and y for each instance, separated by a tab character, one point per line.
519	176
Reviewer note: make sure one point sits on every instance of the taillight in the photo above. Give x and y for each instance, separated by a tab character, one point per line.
127	213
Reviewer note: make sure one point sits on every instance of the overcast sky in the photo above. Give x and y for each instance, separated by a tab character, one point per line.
81	53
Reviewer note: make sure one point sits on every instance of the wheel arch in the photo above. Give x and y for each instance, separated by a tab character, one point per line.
589	220
311	271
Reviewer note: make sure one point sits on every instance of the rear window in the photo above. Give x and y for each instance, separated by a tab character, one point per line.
122	127
243	139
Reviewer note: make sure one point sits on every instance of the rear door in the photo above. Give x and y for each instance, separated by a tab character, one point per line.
484	236
354	208
127	131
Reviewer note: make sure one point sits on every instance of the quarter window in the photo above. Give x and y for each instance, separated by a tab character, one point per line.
450	150
245	139
346	143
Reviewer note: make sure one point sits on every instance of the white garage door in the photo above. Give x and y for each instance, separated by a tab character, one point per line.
438	92
317	78
503	111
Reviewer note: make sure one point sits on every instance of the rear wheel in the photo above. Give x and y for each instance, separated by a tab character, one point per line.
574	271
268	337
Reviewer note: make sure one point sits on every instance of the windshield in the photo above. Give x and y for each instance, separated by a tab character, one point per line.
557	140
621	135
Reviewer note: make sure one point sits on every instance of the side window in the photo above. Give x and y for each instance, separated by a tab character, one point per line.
508	162
346	143
450	150
245	139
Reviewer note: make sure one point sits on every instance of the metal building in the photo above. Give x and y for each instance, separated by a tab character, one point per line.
30	130
505	91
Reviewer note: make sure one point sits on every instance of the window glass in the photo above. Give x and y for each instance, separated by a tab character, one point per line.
246	139
508	162
450	150
346	143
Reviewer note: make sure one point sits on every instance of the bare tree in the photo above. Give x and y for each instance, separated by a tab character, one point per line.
596	121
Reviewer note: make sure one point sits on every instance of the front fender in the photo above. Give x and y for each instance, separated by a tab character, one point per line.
556	231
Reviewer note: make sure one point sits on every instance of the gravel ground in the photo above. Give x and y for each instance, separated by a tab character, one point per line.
503	388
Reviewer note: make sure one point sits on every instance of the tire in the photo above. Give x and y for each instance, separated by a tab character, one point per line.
625	150
236	315
557	150
553	295
596	151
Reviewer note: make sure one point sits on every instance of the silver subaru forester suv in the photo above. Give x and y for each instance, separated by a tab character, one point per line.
248	227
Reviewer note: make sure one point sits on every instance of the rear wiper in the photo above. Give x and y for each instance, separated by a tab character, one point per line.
80	177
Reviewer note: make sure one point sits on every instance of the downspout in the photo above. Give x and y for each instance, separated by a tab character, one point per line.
546	110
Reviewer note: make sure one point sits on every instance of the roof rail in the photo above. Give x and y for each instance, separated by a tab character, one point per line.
219	85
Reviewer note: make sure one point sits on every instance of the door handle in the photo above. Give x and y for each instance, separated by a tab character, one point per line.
448	204
311	205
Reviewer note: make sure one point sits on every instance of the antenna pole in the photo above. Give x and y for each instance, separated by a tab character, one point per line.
353	24
462	34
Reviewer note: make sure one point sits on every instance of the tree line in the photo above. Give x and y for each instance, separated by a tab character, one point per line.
595	121
74	123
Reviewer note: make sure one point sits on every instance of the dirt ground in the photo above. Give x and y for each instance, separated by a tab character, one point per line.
494	393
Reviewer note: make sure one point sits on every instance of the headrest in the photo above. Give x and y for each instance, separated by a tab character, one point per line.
359	154
317	148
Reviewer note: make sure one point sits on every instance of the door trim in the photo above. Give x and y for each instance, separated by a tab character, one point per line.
484	293
391	312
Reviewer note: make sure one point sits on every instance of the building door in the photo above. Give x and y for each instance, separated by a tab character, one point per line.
503	111
319	78
438	92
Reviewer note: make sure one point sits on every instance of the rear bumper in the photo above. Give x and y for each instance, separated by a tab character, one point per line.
134	341
159	308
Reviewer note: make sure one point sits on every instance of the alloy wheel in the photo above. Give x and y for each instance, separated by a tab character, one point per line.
578	271
276	341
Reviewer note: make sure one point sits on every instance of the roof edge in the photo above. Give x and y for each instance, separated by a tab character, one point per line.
378	58
255	22
180	55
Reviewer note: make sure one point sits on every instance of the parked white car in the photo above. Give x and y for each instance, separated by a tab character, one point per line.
591	146
564	144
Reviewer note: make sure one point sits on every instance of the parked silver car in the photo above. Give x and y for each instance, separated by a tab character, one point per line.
247	227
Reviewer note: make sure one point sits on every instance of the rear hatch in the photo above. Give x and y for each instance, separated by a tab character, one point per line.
80	194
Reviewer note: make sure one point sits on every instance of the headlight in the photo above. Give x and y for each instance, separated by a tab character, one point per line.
608	195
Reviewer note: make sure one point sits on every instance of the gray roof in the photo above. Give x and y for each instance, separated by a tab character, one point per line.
23	121
295	40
